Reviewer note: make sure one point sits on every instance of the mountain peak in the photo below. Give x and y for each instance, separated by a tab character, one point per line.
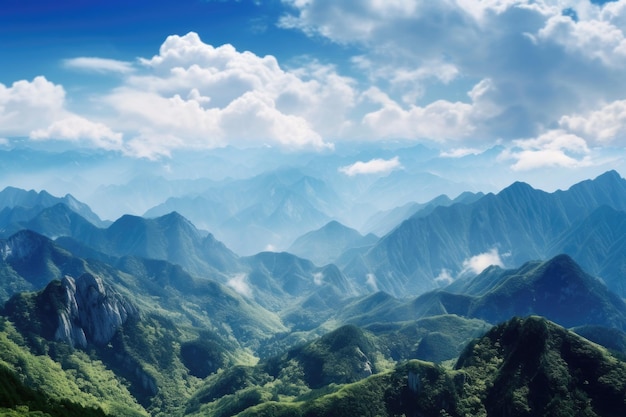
611	175
517	188
541	359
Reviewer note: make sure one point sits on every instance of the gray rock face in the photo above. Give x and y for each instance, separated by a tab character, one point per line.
92	312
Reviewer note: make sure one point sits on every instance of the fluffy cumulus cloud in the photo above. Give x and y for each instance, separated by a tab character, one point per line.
532	62
606	125
543	78
37	109
76	128
200	96
555	148
28	105
595	38
478	263
439	121
373	166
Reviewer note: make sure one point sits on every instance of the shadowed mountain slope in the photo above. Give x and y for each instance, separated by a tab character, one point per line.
519	221
557	289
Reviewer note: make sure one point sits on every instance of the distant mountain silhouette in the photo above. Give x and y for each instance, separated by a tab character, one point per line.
33	202
272	208
384	222
325	245
278	280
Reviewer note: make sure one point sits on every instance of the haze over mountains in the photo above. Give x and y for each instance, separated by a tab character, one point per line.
441	241
225	189
194	327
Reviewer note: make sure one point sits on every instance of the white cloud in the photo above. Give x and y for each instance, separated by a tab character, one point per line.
239	283
497	70
444	277
318	278
409	82
540	64
374	166
478	263
555	148
37	109
29	105
439	121
371	282
603	126
100	65
76	128
459	152
200	96
593	38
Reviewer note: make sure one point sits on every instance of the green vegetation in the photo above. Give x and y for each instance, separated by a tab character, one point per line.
194	347
73	375
525	367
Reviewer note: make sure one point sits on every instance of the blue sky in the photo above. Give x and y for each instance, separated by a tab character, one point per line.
543	80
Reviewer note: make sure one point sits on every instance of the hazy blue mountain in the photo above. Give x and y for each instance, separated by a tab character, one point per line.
30	203
272	223
325	245
36	260
59	220
270	209
170	237
383	222
557	289
279	280
205	211
519	222
598	244
144	191
403	185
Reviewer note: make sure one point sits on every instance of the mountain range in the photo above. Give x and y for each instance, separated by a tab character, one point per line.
155	316
518	224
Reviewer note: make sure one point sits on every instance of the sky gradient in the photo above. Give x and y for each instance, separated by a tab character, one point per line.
543	80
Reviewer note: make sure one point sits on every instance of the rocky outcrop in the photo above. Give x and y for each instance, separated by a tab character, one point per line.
91	312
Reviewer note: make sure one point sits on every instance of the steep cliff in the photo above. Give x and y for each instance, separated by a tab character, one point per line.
77	311
92	312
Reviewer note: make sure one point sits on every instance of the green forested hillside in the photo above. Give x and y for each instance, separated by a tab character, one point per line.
525	367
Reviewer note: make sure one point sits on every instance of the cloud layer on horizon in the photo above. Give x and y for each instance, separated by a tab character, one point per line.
543	83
